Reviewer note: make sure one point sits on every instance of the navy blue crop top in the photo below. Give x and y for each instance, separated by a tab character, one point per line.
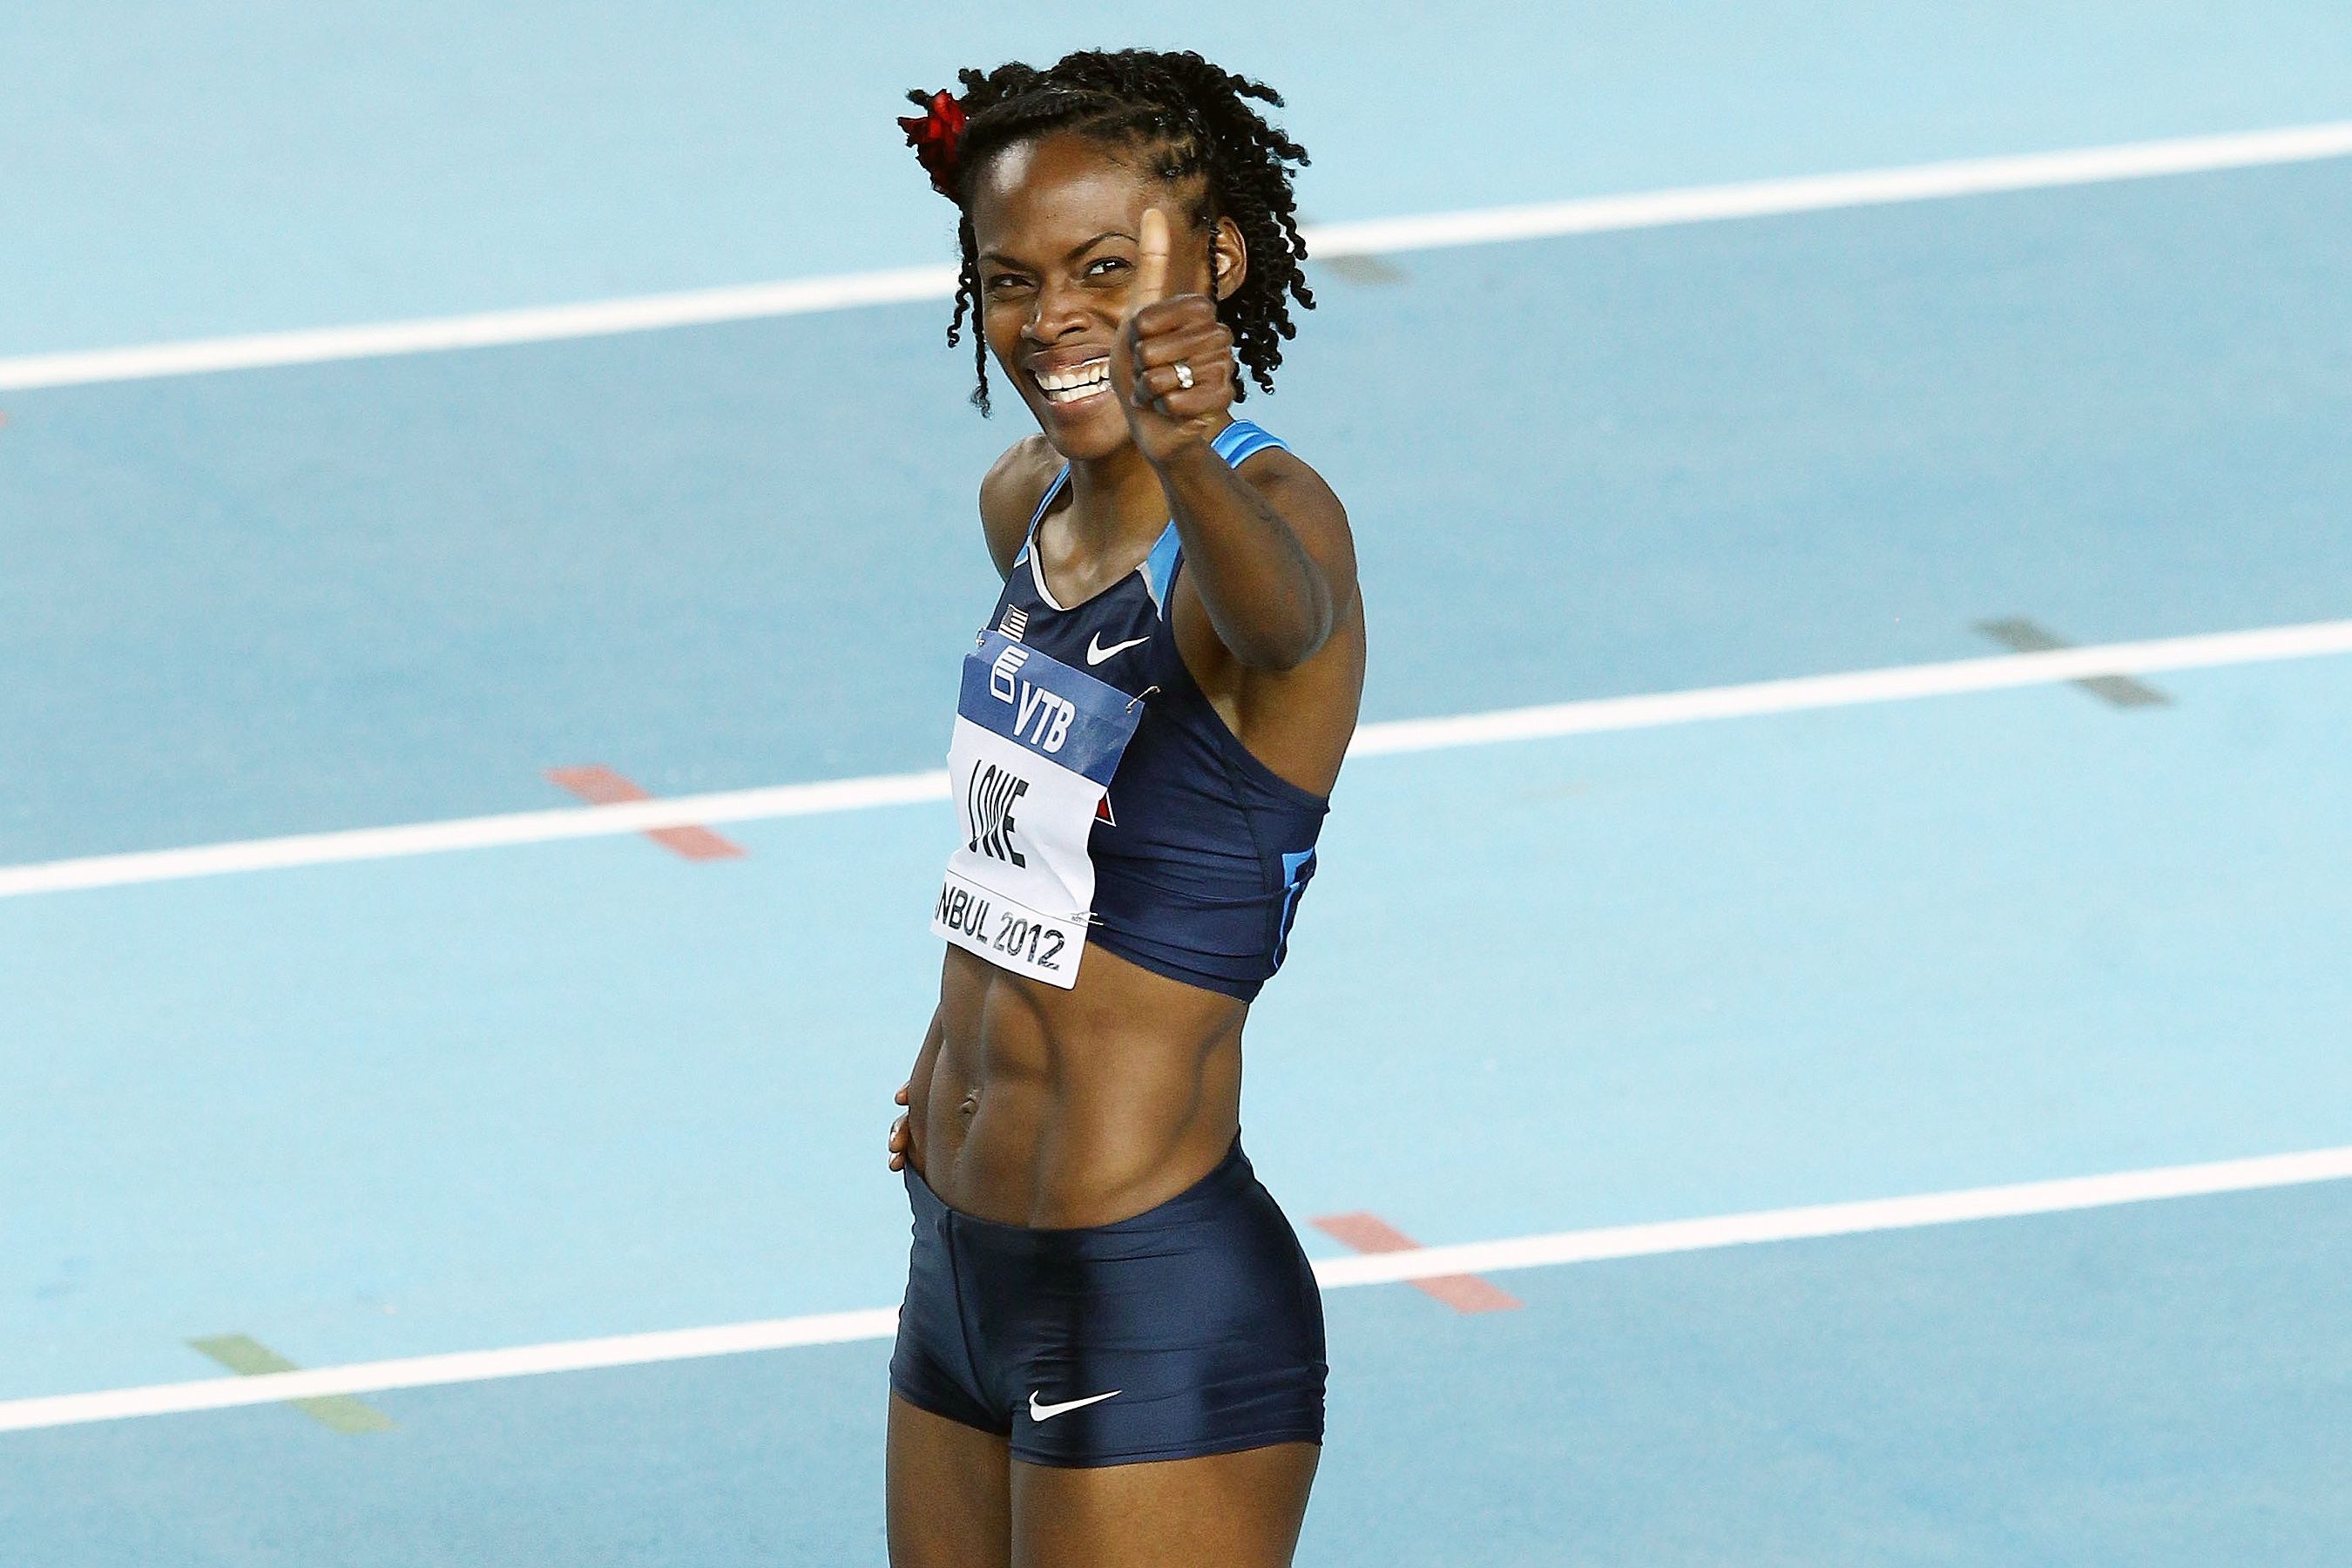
1201	850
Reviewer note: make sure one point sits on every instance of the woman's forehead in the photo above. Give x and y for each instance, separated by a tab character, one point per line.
1037	199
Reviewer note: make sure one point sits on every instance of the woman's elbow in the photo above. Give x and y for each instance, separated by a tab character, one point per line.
1286	642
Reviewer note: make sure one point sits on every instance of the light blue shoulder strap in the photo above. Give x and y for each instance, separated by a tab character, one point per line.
1241	440
1039	515
1158	568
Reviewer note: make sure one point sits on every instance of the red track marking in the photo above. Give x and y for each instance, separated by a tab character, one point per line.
1371	1233
599	785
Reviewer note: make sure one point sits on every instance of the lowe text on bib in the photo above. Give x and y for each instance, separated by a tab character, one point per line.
1035	745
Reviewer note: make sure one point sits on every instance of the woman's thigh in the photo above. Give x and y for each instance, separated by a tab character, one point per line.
1234	1511
948	1492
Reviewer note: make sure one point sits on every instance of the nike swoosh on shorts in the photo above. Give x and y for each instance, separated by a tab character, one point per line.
1047	1412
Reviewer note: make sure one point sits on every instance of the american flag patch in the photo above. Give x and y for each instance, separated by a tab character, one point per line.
1016	622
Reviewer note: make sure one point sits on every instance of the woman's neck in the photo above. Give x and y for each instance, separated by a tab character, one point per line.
1116	499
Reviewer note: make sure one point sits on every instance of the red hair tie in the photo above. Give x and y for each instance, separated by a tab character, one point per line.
935	136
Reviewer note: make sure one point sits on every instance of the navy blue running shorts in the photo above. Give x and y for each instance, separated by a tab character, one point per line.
1193	1328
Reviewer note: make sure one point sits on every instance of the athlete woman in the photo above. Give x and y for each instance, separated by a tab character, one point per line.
1112	1349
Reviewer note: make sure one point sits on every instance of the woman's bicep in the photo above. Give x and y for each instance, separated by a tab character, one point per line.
1318	521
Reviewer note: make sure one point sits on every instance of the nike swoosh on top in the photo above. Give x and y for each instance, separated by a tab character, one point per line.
1047	1412
1097	653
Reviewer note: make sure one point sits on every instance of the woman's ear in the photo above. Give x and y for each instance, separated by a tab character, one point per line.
1228	258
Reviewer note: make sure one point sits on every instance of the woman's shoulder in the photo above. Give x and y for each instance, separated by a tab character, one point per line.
1285	479
1266	460
1009	494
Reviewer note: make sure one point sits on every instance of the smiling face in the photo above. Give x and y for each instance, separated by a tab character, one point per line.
1054	222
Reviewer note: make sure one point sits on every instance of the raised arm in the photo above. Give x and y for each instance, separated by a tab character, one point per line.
1269	554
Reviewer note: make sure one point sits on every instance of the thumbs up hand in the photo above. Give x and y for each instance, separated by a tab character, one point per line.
1166	342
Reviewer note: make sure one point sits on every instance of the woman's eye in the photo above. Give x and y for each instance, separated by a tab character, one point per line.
1003	280
1104	261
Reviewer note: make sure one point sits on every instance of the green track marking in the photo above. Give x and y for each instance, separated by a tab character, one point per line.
250	1358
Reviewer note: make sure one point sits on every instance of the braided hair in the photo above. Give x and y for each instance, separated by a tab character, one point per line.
1188	117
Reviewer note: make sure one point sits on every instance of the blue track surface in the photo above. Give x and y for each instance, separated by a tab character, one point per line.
386	590
2141	1385
239	165
517	1095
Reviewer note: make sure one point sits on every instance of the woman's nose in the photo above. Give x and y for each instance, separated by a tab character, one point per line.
1059	309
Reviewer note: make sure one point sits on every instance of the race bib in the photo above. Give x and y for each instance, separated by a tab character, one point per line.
1035	745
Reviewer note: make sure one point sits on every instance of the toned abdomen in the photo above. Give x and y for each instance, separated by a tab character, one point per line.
1051	1109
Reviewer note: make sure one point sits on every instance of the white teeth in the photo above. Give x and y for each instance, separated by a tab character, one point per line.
1081	381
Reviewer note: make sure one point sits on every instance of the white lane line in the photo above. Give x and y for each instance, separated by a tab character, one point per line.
472	833
1597	214
1840	1219
1821	192
1336	1273
487	328
1996	672
1591	716
437	1371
